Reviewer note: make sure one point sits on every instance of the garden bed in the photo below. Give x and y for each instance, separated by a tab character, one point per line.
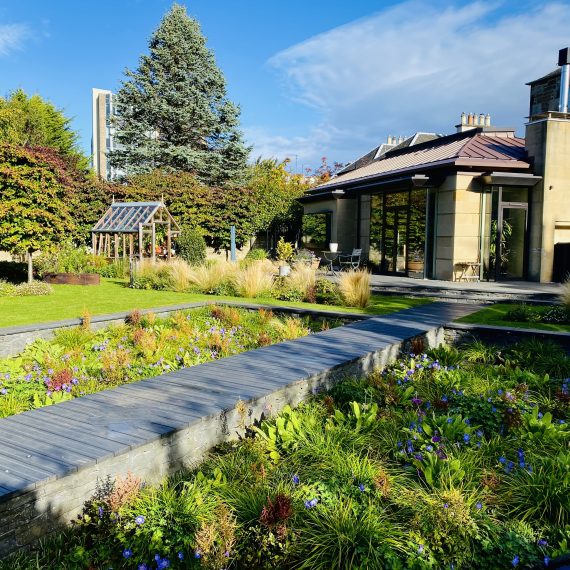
81	361
524	316
457	460
72	278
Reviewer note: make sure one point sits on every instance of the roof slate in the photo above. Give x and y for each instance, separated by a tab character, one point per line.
461	149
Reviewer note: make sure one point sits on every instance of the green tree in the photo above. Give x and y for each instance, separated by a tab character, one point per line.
173	113
276	192
33	122
211	209
34	212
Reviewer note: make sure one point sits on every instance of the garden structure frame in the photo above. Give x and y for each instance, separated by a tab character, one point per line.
132	219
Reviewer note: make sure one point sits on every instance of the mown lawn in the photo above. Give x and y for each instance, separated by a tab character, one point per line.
70	301
495	316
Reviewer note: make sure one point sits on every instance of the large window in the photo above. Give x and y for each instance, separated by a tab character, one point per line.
504	232
398	232
316	231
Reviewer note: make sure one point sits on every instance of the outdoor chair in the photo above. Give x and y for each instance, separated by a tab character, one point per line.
352	261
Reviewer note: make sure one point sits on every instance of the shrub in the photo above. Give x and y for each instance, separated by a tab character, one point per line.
29	289
256	254
555	315
152	275
191	245
354	287
67	258
522	313
116	269
327	292
285	250
7	289
255	280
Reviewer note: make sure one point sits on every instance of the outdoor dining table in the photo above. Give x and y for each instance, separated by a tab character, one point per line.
330	257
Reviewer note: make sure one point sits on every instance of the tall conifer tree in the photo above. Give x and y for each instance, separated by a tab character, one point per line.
173	113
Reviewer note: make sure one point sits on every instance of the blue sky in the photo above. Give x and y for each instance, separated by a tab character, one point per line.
313	78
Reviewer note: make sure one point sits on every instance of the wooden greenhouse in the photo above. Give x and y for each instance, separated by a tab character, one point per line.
131	221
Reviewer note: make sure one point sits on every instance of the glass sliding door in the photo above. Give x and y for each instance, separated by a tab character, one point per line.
398	232
504	230
513	241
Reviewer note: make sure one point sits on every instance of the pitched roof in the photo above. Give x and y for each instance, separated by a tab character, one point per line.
547	76
379	151
476	147
125	217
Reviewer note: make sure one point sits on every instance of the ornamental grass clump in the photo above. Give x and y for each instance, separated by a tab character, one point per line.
180	272
303	279
210	278
354	288
255	279
564	295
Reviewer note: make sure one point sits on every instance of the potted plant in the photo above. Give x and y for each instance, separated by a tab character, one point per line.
333	247
284	254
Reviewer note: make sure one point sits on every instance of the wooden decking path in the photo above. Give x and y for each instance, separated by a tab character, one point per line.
54	441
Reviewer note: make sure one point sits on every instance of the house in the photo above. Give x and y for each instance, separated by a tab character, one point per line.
481	203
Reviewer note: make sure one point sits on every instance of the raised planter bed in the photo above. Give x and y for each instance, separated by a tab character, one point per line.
73	278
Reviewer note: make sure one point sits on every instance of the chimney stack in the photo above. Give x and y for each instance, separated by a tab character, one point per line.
472	121
564	63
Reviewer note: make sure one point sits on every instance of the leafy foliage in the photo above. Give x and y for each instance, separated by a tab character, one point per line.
32	122
191	246
34	213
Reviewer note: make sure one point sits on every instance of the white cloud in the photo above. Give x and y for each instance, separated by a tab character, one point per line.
12	37
416	67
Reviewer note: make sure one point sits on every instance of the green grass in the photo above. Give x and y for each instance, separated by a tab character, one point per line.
495	314
70	301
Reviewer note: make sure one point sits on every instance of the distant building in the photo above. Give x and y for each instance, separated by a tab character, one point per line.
102	140
481	203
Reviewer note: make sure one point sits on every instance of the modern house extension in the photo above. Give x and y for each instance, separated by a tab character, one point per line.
479	204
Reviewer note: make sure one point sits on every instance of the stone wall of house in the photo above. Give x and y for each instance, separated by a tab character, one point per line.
548	146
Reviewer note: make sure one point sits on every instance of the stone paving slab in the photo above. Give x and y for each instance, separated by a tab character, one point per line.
57	440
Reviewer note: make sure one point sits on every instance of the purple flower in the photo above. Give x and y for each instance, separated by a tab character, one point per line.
436	439
479	506
127	553
446	505
449	420
181	555
3	391
417	401
420	548
295	479
361	487
227	553
164	563
547	560
466	437
310	504
197	555
515	561
444	399
429	447
542	542
140	520
142	566
502	460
